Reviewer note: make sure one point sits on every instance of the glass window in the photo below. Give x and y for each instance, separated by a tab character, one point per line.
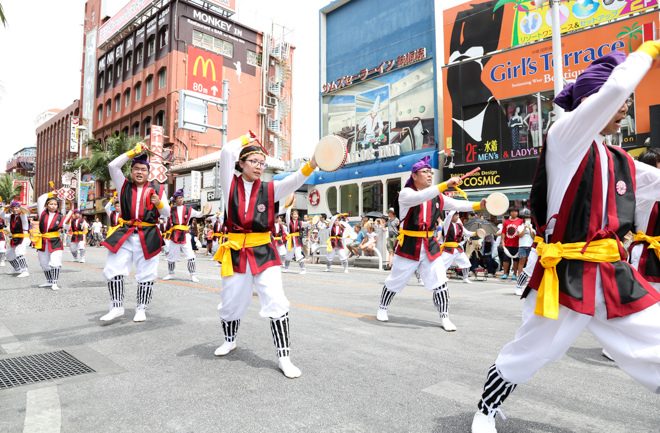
151	46
372	197
207	42
101	80
138	54
150	84
117	103
100	112
138	91
160	118
331	197
163	37
125	131
350	202
162	78
119	68
129	61
147	126
136	128
393	188
127	97
253	58
109	74
108	109
197	38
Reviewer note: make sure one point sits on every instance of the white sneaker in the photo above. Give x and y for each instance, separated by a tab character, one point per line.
346	271
285	270
467	281
45	284
23	274
483	423
518	292
74	260
194	279
113	314
326	270
225	348
2	263
289	370
447	325
168	277
381	315
140	316
13	272
54	287
81	261
218	264
303	273
420	282
606	354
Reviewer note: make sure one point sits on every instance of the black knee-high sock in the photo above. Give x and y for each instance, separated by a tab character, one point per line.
22	263
55	274
15	265
82	254
522	280
280	329
191	266
386	298
286	264
75	255
328	263
170	267
441	300
417	275
116	289
496	390
144	293
302	264
2	257
230	328
48	273
345	263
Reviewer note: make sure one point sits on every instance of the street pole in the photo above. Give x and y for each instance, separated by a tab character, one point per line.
225	116
557	55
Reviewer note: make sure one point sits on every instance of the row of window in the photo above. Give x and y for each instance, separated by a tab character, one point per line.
223	48
144	129
162	82
372	197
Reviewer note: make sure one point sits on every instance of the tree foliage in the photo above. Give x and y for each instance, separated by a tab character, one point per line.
9	191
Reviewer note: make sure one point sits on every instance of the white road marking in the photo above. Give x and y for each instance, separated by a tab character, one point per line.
43	413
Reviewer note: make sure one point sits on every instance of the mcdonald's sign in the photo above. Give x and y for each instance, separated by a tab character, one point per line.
204	72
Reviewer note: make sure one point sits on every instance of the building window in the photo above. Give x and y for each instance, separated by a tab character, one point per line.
393	188
136	128
372	197
119	68
150	84
101	80
138	91
108	109
350	203
162	78
125	131
253	58
151	46
117	103
100	110
138	54
213	44
331	198
129	60
109	74
162	36
147	126
160	118
127	97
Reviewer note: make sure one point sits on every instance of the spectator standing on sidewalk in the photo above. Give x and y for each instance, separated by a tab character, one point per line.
97	237
392	228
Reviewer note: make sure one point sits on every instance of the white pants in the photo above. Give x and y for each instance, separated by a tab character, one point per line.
458	257
633	341
76	246
331	254
18	250
432	272
167	243
281	249
131	253
3	246
174	250
215	246
49	259
635	256
237	294
297	251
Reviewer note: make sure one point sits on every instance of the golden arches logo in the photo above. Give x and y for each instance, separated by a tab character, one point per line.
205	66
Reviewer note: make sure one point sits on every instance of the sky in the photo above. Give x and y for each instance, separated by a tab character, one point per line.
41	62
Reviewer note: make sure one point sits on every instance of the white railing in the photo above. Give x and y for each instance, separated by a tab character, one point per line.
380	249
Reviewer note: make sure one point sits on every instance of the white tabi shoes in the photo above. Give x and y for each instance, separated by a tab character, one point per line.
467	281
285	270
346	271
289	370
2	263
46	284
113	314
23	274
518	292
81	261
303	273
12	272
447	325
168	277
381	315
54	287
194	279
218	264
225	348
483	423
420	282
140	316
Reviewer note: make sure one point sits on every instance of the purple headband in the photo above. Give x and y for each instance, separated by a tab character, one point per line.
53	198
178	193
76	210
141	159
590	81
422	163
14	203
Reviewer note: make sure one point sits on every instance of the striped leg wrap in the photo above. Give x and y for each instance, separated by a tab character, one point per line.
15	265
144	292
328	264
191	266
116	289
54	274
345	263
286	264
441	300
2	257
82	254
466	274
302	264
75	255
496	390
419	277
22	263
386	298
230	328
48	273
170	267
280	329
522	280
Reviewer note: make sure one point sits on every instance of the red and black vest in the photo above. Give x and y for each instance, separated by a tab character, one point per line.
453	236
413	221
649	265
54	244
337	230
579	220
259	218
218	227
179	236
16	227
278	232
2	232
164	227
294	227
150	237
114	218
76	226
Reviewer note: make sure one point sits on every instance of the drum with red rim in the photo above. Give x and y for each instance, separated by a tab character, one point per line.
331	153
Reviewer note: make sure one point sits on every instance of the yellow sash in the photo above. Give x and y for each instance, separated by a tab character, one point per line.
20	235
217	235
179	227
413	234
653	241
111	230
277	238
600	251
237	241
37	238
289	240
449	245
78	233
330	243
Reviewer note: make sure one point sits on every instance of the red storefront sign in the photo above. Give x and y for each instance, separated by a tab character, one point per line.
204	72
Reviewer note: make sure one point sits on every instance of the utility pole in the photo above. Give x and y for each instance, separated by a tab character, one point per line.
216	171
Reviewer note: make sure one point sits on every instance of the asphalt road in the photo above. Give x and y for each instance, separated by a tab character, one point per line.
358	375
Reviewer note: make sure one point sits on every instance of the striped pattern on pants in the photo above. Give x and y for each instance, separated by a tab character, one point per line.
496	390
144	293
48	273
170	267
15	264
522	280
192	268
22	263
116	289
280	329
230	328
386	298
441	300
54	274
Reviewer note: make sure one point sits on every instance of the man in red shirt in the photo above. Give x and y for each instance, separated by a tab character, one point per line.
510	238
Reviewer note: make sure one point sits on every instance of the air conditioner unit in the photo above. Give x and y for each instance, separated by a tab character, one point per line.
271	101
263	110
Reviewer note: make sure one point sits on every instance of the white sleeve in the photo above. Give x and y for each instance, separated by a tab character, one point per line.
332	221
228	158
4	215
288	185
408	197
165	211
196	214
108	207
41	203
25	222
467	232
458	205
115	171
288	216
647	179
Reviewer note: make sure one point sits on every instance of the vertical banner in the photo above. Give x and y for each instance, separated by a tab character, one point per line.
158	170
89	76
73	137
23	199
195	185
83	196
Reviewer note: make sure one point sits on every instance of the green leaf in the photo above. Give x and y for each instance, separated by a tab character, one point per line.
622	34
501	3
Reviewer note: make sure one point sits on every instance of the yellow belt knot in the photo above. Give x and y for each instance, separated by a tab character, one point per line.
37	238
329	243
412	233
653	241
449	245
289	240
237	241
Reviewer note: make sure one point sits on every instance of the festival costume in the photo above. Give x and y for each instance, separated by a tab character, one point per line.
180	238
136	241
219	232
3	242
294	242
279	239
452	251
249	258
165	231
645	251
48	242
79	229
417	248
19	227
583	200
336	243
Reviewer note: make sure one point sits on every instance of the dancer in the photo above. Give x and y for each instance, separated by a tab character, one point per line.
336	243
294	240
452	251
526	233
78	242
419	206
113	215
48	242
510	243
279	233
248	256
165	227
137	240
3	240
583	201
219	230
180	238
19	227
